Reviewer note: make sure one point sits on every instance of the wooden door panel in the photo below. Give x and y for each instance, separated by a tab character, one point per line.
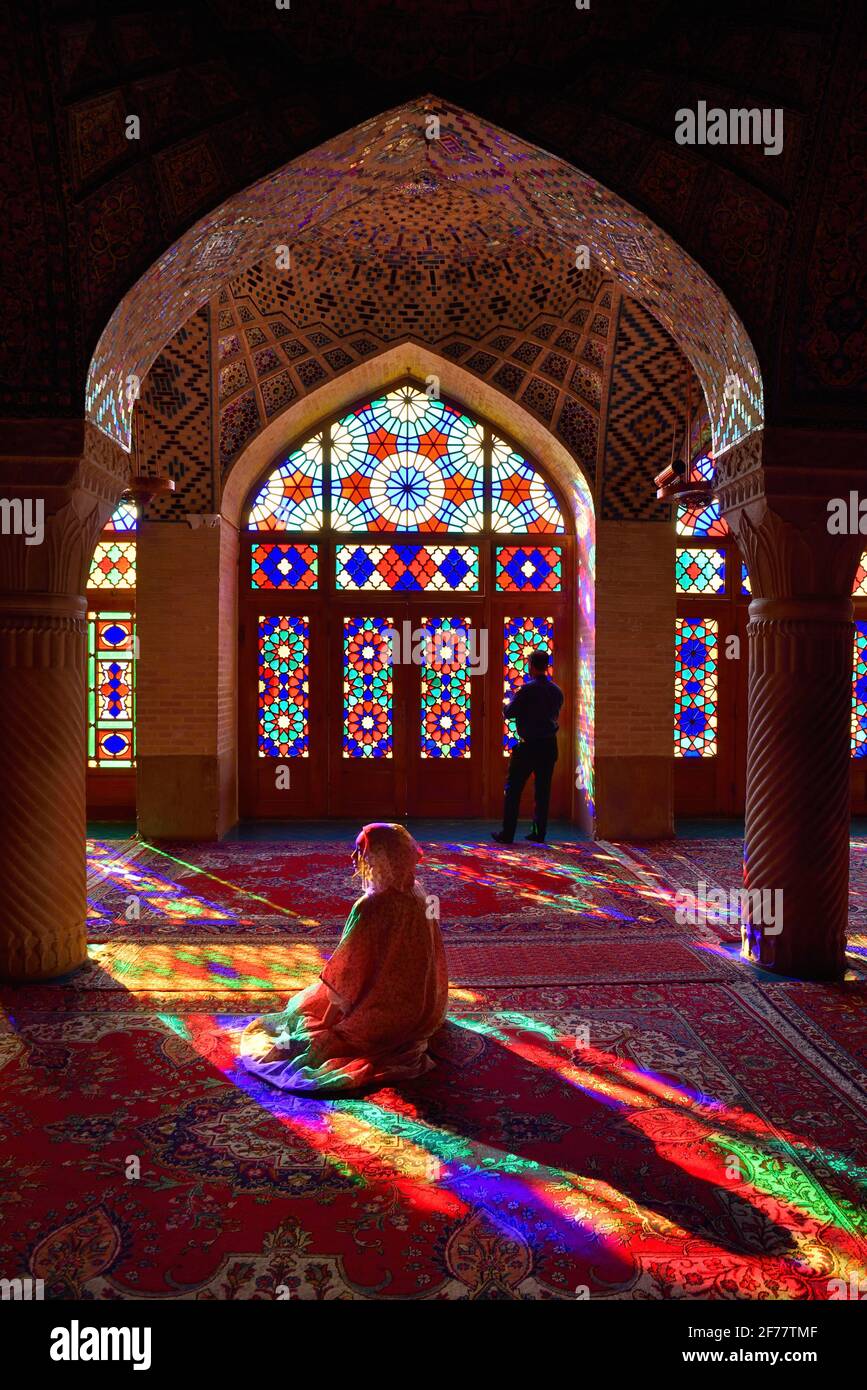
283	754
520	623
332	777
365	701
445	711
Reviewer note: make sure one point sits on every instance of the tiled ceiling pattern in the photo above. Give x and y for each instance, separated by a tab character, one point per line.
558	367
418	235
422	263
542	362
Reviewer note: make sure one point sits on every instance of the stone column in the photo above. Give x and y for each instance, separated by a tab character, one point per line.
76	481
796	848
797	815
42	762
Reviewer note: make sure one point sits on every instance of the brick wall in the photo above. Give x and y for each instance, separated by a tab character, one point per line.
187	626
227	646
635	612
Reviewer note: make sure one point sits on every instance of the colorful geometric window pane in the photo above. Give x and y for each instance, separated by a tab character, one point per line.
406	463
521	500
538	568
859	588
699	519
445	688
291	498
522	637
859	693
695	688
284	668
113	565
367	688
124	518
746	586
110	690
446	568
700	571
284	567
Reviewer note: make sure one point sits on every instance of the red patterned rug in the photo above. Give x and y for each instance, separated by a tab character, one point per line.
267	915
683	866
620	1140
137	890
618	1108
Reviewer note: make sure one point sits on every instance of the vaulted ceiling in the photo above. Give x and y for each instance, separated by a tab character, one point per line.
420	220
227	91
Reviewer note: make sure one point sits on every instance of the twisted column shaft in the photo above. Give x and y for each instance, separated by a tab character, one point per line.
42	785
797	813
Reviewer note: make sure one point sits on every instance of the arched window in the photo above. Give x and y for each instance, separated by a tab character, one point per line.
383	553
111	652
714	591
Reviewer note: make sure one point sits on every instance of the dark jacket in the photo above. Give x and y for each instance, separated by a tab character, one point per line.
535	708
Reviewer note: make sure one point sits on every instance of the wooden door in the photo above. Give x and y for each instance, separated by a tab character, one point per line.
445	712
282	672
366	699
521	624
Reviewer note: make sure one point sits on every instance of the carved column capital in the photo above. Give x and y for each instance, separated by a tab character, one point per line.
779	518
70	496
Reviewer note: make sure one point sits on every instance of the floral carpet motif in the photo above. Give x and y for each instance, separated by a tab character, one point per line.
699	1136
238	889
682	866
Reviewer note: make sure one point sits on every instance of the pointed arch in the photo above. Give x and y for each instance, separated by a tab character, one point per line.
536	200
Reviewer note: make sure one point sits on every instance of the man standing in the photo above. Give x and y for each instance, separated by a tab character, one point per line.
535	709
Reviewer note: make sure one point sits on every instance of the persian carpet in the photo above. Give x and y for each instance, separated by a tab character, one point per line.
681	866
633	1115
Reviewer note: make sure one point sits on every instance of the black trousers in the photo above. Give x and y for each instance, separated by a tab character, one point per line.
537	759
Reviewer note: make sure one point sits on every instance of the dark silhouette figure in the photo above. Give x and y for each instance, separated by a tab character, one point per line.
535	709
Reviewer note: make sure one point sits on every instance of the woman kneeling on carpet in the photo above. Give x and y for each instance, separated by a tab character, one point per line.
382	995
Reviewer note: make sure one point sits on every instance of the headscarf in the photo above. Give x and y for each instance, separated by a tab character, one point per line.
390	856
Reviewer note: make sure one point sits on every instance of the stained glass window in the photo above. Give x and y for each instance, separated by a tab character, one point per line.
695	688
367	688
453	568
406	463
700	571
445	689
522	637
284	567
110	690
746	586
538	568
113	565
859	588
859	693
698	518
284	666
291	499
521	500
701	520
123	518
